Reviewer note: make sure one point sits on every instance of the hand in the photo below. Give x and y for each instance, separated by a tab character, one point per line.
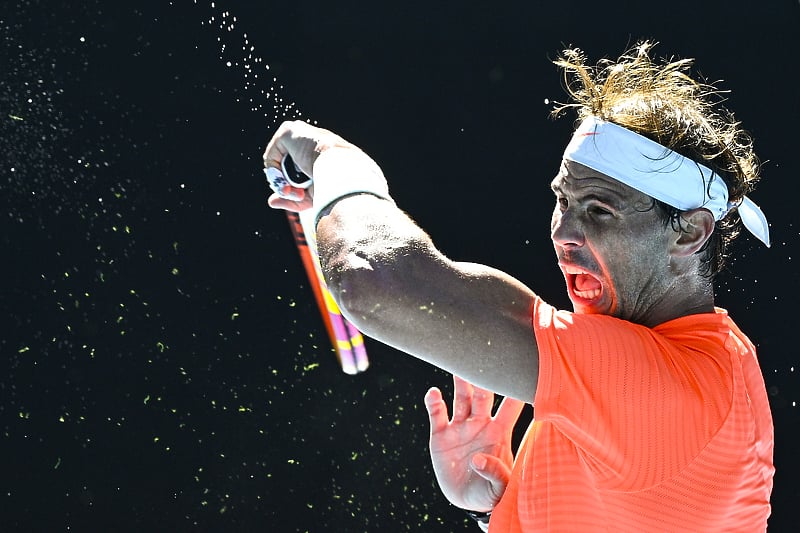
304	143
471	454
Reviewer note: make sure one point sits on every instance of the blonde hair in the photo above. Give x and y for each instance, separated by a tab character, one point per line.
662	102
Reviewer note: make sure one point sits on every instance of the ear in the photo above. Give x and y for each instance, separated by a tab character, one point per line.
696	226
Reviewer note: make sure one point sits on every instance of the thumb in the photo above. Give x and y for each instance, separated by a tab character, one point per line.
492	469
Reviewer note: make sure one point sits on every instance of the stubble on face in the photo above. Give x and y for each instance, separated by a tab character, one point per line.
612	237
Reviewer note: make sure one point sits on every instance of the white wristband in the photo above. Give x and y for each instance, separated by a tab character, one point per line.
343	171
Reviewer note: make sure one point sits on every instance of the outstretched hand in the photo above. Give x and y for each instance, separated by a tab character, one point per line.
471	454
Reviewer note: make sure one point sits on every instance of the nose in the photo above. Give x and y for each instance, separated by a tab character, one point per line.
565	228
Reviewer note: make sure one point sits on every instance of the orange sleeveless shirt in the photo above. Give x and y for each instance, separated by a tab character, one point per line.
638	429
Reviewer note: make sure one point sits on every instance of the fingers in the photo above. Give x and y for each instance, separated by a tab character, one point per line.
482	402
301	204
471	400
509	411
303	142
293	138
276	148
462	399
437	410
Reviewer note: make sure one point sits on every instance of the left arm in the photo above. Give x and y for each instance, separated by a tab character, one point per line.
390	280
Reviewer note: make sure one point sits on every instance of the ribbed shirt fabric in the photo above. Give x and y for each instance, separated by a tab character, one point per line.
638	429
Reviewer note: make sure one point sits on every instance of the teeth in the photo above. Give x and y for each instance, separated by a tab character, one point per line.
574	270
588	295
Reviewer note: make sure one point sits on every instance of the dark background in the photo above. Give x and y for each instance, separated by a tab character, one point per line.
163	366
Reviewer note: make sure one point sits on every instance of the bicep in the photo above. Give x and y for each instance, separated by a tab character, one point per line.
392	283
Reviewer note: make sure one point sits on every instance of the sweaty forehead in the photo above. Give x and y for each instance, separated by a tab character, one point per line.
574	178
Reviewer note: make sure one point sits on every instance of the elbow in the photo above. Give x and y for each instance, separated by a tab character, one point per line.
375	290
358	288
372	259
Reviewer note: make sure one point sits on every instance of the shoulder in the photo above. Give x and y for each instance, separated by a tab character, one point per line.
565	331
710	333
684	362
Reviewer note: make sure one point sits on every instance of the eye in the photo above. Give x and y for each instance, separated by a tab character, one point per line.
562	203
599	211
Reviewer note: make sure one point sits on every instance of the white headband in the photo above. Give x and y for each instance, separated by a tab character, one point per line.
637	162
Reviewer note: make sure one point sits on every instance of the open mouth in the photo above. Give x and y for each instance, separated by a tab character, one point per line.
584	285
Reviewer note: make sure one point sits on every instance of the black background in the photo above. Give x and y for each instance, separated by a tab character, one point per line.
163	365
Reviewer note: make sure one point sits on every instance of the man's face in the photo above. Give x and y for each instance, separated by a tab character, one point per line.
611	245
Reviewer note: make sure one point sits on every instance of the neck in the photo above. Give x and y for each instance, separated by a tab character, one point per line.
687	295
